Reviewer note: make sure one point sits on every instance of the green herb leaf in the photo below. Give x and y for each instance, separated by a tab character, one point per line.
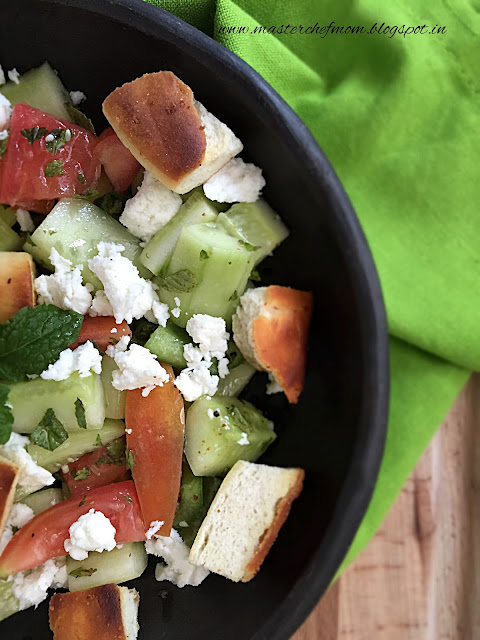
50	433
3	146
116	451
54	168
248	246
80	414
60	137
204	255
35	133
183	280
81	572
91	193
255	276
233	297
98	441
82	501
79	118
129	458
128	498
101	460
6	415
80	474
34	338
81	178
112	203
214	367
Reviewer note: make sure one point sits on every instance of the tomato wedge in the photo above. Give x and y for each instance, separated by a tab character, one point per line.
93	470
103	330
39	206
119	164
157	424
43	161
42	538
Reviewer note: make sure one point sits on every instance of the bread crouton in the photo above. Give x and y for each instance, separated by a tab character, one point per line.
17	272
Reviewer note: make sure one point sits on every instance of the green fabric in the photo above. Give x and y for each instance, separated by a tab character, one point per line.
398	118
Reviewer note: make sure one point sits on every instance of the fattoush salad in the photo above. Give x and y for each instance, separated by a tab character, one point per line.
131	320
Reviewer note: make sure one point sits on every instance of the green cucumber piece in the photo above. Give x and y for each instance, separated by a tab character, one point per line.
196	209
9	239
7	214
214	429
218	267
77	219
44	499
8	602
255	223
237	379
114	399
40	88
30	400
77	443
167	344
109	567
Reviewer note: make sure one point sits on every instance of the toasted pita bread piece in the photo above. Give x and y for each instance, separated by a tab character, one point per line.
9	475
271	328
17	272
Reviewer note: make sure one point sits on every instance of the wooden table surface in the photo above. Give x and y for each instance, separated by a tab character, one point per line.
419	578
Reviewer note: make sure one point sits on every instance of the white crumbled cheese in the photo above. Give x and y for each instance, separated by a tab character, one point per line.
77	97
150	209
175	553
137	367
31	474
76	243
3	134
113	330
2	75
14	76
30	587
91	532
83	359
19	516
223	367
64	288
129	431
129	295
210	414
5	111
209	333
158	313
244	439
195	381
155	526
183	523
176	311
24	219
100	305
273	386
237	181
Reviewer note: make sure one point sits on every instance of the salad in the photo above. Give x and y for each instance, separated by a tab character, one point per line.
131	321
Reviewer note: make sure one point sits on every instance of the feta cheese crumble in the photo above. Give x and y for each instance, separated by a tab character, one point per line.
155	526
32	476
237	181
244	439
64	288
273	386
150	209
176	311
83	359
24	219
77	97
5	112
91	532
100	305
209	333
137	367
178	569
19	516
14	76
76	243
30	587
2	75
129	295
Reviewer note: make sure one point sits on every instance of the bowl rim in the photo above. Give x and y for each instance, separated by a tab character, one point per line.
360	481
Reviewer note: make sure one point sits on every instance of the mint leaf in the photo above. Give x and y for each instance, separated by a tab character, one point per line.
57	138
54	168
82	501
50	433
80	414
34	338
6	415
3	146
81	572
255	276
81	178
116	451
128	499
80	474
112	203
77	117
101	460
35	133
98	441
183	280
129	458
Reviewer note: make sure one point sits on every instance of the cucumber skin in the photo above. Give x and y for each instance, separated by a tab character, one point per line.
167	344
112	567
79	442
42	500
9	239
196	209
76	218
114	399
30	400
211	444
236	380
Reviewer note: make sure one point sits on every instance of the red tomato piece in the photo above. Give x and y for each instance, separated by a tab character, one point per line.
99	330
39	206
157	424
27	170
43	537
106	133
98	470
119	164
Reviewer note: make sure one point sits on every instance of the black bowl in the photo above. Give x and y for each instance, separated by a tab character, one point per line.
337	431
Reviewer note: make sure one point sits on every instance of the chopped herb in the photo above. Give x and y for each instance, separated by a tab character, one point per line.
57	138
14	530
79	118
81	474
128	499
234	296
50	433
82	501
80	414
129	458
101	460
3	146
6	415
98	441
248	246
35	133
91	193
204	255
97	347
255	276
183	280
116	452
54	168
112	203
81	572
214	367
81	178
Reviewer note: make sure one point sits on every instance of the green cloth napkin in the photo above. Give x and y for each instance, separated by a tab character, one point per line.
399	119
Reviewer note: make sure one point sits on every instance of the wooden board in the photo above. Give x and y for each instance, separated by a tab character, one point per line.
419	578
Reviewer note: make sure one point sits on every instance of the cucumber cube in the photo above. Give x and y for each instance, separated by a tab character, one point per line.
9	239
114	399
167	344
237	379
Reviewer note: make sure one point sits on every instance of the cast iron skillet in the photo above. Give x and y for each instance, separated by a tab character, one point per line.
337	430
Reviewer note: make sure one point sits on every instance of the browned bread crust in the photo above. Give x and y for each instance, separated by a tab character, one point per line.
16	283
280	337
8	482
282	509
93	614
155	118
